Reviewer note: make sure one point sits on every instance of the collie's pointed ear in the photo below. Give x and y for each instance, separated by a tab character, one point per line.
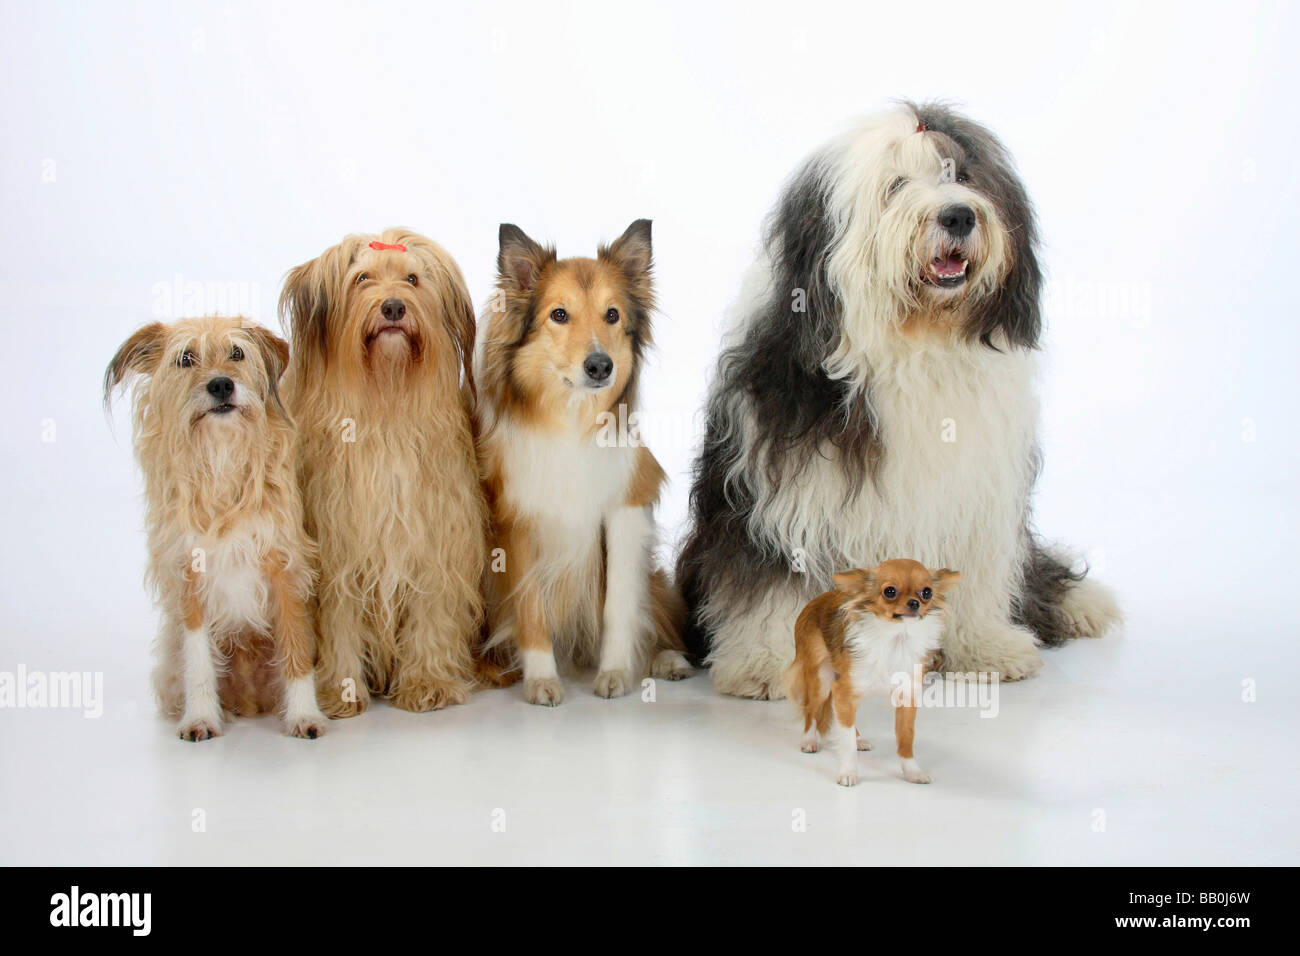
859	581
138	355
274	352
631	251
520	260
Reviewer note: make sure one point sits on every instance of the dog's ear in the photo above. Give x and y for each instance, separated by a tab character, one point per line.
944	579
857	582
308	297
458	308
138	355
631	251
520	260
275	357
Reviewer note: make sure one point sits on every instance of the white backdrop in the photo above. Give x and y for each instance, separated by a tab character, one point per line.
153	149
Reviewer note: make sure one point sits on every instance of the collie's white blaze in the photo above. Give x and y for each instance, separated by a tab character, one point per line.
628	535
199	674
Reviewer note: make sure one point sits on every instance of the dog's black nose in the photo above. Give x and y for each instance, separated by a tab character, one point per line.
913	604
598	366
958	220
221	388
394	310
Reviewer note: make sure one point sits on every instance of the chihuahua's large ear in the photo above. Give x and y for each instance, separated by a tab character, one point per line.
520	260
944	579
138	355
856	581
275	356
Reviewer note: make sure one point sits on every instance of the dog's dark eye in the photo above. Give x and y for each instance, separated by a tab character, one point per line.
236	354
926	594
890	593
963	178
895	186
611	316
187	360
413	279
362	278
559	316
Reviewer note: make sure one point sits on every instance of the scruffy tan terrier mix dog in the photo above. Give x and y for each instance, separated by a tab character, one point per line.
380	386
228	557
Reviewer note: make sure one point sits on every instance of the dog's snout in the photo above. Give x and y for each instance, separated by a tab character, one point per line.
957	220
221	388
394	310
913	604
598	366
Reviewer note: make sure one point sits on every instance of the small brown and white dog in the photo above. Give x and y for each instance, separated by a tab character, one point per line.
228	557
571	497
876	633
380	386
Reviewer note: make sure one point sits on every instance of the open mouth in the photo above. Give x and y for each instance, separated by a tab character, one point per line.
225	408
386	331
947	270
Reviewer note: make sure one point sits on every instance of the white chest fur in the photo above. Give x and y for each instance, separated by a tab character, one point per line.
886	654
233	586
567	483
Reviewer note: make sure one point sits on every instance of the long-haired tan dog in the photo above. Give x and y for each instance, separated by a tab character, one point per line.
228	557
572	493
380	386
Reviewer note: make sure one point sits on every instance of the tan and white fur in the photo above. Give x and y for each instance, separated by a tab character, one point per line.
380	384
229	560
572	578
876	633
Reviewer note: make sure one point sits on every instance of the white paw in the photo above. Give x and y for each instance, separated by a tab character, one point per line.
195	728
811	743
671	665
862	743
545	691
1008	651
1091	609
308	726
612	683
913	773
847	778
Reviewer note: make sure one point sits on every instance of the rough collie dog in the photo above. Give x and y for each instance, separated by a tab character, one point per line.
875	396
571	489
228	558
383	335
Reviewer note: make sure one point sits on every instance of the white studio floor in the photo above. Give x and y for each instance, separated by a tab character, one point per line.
1116	754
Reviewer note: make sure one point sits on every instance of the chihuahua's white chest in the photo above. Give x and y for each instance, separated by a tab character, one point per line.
886	654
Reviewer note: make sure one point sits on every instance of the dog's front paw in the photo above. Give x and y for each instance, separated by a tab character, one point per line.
612	683
196	728
913	773
847	778
862	743
335	704
671	665
1007	651
306	726
543	691
422	696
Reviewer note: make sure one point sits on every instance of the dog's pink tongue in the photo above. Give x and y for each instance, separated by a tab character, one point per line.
949	265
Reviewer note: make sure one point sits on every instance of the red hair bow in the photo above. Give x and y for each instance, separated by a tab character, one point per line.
381	246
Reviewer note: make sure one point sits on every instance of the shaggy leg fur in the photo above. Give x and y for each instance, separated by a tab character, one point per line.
341	685
434	665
